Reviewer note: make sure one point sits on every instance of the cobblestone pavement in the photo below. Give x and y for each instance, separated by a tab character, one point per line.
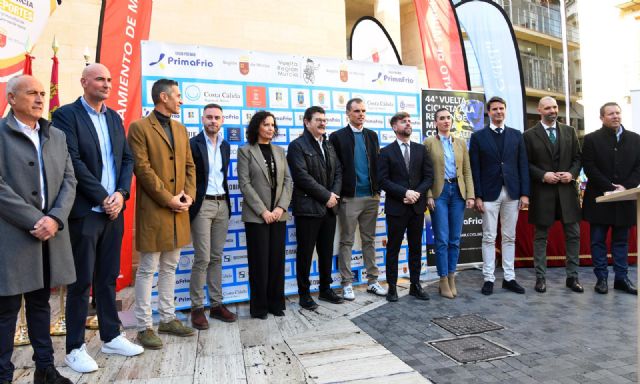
558	336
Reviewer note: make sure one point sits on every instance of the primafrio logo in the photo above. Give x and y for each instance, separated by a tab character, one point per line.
181	59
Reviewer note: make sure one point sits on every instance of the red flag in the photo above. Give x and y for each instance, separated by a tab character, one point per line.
54	99
28	59
121	30
444	59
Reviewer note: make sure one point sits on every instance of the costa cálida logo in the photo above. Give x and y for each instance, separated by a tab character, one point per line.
344	73
243	65
3	38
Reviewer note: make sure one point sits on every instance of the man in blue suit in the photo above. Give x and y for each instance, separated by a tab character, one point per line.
103	165
209	214
405	174
501	181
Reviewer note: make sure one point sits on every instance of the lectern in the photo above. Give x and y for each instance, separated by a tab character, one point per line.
629	194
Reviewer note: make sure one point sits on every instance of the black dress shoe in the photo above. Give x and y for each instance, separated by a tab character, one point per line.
49	375
261	317
277	312
574	284
307	302
415	290
513	286
330	296
541	285
625	285
601	286
392	293
487	288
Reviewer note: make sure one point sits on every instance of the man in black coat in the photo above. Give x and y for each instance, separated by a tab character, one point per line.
554	164
209	214
103	165
317	179
611	161
405	174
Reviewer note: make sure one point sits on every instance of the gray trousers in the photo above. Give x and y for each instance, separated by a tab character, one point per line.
362	211
208	232
572	244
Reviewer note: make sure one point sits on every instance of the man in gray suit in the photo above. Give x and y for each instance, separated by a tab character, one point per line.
554	164
37	189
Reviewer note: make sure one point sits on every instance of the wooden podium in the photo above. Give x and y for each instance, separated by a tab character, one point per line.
629	194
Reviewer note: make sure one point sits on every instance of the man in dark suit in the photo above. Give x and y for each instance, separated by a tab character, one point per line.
37	188
405	174
554	164
103	165
317	179
501	181
357	149
209	213
611	161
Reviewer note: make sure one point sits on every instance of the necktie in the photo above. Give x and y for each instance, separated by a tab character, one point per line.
552	135
406	154
498	130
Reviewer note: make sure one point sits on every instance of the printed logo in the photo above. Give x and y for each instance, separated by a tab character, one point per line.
344	73
309	72
3	38
184	59
192	92
243	65
159	61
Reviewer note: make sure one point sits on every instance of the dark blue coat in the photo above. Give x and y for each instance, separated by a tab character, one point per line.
201	160
489	167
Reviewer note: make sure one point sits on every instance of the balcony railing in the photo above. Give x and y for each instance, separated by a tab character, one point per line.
537	17
541	73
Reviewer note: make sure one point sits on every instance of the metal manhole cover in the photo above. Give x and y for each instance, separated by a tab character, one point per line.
471	349
466	324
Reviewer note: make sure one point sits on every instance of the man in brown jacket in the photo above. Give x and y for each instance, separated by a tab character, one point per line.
165	175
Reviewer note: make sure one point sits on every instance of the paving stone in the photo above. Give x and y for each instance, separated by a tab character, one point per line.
560	336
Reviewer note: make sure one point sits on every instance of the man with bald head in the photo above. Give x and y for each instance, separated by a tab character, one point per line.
103	166
554	164
37	188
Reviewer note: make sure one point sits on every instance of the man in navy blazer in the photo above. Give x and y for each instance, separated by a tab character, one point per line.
501	180
209	214
103	166
405	174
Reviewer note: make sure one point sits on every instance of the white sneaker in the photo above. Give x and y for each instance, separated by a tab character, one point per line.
122	346
347	293
80	361
377	289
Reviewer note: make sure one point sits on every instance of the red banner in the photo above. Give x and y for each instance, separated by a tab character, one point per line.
444	58
54	98
122	27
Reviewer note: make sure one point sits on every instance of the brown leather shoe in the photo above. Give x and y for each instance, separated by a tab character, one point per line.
198	319
221	312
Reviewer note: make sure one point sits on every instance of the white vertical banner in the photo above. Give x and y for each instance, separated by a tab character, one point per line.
496	50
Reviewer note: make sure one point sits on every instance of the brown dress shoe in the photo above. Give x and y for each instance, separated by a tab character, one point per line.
198	319
221	312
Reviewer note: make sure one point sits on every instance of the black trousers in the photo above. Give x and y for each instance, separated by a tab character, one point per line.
265	253
396	227
314	232
38	314
96	243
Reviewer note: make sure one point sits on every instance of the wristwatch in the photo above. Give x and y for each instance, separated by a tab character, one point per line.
124	193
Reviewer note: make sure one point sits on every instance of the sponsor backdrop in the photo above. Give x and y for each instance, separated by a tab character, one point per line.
243	82
467	110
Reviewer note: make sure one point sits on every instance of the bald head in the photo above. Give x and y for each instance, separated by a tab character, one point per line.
548	110
96	82
26	97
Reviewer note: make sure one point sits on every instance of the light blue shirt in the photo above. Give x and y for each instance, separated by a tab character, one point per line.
34	135
216	177
449	158
619	133
99	120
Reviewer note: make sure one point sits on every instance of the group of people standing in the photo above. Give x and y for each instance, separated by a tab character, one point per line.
63	188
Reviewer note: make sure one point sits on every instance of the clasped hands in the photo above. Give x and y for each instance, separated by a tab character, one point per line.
180	202
45	228
411	197
557	177
113	205
272	216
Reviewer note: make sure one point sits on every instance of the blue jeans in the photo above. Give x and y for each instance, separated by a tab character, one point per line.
446	220
619	250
